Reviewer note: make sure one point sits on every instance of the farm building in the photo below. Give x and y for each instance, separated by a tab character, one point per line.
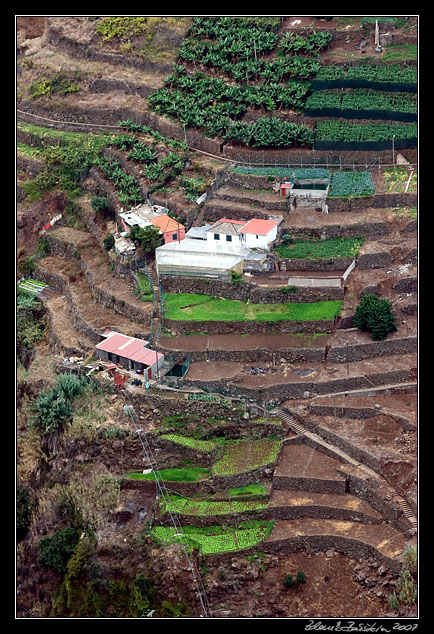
171	229
124	246
306	193
129	352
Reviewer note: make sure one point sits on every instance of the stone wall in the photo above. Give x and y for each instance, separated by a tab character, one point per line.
350	547
248	292
314	485
341	411
374	260
359	352
67	251
244	327
276	394
377	201
256	355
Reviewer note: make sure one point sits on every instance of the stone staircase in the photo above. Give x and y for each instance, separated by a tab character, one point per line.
301	430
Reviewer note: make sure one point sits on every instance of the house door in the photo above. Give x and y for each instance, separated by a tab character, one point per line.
149	373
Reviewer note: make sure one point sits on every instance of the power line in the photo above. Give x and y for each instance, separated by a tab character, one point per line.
163	493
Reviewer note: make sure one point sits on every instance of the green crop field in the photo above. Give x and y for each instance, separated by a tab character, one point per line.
194	307
246	455
203	508
215	539
329	248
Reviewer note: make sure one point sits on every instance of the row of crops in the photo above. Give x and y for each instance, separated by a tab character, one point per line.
362	104
230	65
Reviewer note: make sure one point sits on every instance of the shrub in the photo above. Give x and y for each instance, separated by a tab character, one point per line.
288	581
375	316
24	509
55	551
301	577
100	203
109	242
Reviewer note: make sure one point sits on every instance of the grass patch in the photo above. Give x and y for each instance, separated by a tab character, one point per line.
192	307
329	248
398	52
193	443
187	474
250	489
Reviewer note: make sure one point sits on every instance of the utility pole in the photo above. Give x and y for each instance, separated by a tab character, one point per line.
393	151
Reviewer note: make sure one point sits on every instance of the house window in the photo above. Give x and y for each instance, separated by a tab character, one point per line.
216	236
228	238
257	237
174	236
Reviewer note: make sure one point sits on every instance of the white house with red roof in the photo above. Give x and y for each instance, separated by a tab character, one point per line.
254	234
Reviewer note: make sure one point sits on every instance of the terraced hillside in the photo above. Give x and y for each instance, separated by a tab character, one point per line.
278	437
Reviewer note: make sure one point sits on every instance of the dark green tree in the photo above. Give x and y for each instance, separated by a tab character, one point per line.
148	238
109	242
55	551
375	315
288	581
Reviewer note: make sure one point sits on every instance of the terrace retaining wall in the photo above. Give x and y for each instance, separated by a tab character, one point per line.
248	292
244	327
359	413
276	394
67	251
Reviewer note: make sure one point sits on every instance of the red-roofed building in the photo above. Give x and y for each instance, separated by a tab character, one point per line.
129	352
172	230
259	233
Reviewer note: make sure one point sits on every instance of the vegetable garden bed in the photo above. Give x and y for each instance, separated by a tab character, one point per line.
216	539
321	249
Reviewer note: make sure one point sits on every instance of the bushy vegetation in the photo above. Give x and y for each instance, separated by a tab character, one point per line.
147	238
375	316
61	83
55	551
121	27
54	404
30	326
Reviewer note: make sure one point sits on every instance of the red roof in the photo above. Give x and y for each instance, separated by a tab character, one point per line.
259	227
166	223
129	348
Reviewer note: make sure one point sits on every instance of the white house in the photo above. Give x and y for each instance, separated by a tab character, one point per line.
254	234
259	234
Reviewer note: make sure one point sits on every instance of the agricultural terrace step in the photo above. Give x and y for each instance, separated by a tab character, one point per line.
216	209
63	337
95	264
298	500
89	316
383	538
269	200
